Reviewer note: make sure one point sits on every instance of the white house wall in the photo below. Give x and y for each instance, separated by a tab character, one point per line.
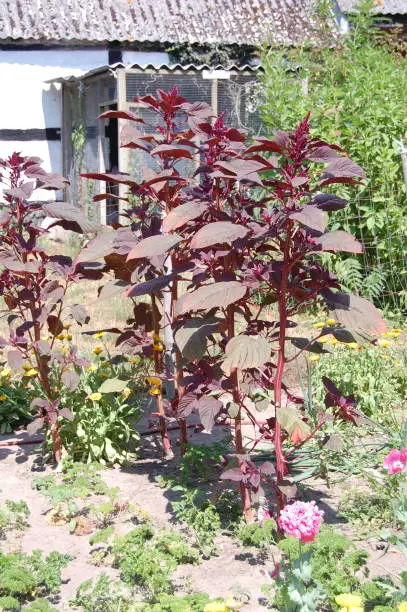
28	102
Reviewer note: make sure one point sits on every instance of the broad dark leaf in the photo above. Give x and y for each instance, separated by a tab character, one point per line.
311	216
120	114
191	336
155	285
323	154
80	314
234	474
153	246
74	216
112	289
55	325
208	408
339	241
244	352
22	192
168	150
216	295
182	214
186	406
329	202
218	233
35	426
312	347
355	313
344	167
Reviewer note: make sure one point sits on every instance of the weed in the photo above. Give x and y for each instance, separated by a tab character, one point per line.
256	534
14	515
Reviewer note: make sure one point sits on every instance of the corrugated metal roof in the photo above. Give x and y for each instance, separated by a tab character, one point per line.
382	7
175	21
164	68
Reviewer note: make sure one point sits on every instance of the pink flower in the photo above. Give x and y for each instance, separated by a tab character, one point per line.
395	461
302	520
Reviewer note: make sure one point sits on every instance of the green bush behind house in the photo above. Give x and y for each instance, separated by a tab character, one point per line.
356	91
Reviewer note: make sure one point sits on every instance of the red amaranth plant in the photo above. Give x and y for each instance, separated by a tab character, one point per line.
228	247
33	285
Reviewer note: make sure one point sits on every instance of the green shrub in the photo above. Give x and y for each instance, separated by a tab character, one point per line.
259	535
355	91
24	576
14	403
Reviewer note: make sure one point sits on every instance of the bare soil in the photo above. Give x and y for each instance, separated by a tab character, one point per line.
234	568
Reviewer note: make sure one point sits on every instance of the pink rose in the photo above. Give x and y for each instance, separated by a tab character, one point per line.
395	461
302	520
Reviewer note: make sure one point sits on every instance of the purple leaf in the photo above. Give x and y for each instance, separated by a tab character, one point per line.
311	216
218	233
182	214
216	295
153	246
35	426
339	241
70	379
80	314
355	313
234	474
244	352
208	408
15	360
344	167
329	202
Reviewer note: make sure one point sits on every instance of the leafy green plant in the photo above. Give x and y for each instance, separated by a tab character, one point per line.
13	515
203	461
14	403
376	376
148	559
24	576
40	605
102	595
200	515
257	534
173	603
356	90
104	411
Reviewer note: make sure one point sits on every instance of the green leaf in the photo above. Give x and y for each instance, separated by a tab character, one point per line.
112	385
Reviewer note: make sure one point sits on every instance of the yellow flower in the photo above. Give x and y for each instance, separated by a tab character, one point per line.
99	334
153	381
91	368
135	360
3	398
319	325
67	325
103	375
402	607
348	600
315	357
154	391
105	364
5	372
97	350
158	346
95	397
383	343
397	330
352	345
333	341
324	339
393	334
331	321
126	392
385	357
31	372
68	337
215	606
26	367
